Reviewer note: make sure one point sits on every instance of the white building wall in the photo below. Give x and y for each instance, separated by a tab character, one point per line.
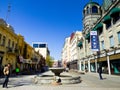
42	50
66	50
74	55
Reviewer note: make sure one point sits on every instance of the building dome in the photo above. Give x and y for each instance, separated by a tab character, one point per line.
91	14
91	8
91	3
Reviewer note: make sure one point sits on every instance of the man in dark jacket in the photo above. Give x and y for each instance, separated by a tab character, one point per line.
100	72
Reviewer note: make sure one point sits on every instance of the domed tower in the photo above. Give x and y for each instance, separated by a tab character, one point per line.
91	13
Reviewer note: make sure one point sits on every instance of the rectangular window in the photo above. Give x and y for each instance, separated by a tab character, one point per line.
12	44
111	41
42	45
100	31
4	40
0	38
35	45
116	18
102	45
88	40
9	43
119	37
16	46
108	24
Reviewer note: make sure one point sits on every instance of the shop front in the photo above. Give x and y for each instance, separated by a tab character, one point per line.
86	66
92	65
102	61
82	66
115	64
1	59
74	65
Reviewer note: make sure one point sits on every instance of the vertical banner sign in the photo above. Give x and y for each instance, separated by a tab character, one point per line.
94	41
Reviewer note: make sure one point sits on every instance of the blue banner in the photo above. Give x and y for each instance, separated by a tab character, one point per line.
94	41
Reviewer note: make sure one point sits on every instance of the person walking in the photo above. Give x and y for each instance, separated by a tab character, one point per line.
6	72
100	73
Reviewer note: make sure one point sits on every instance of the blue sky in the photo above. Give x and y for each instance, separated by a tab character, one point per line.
49	21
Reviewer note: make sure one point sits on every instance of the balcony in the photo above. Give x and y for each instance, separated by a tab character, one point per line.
2	45
34	60
11	50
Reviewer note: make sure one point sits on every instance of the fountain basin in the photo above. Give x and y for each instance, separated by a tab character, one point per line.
66	78
57	71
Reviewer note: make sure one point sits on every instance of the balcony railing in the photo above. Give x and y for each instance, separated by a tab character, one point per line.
11	50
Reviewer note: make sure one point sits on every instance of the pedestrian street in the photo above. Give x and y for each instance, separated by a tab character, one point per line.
88	81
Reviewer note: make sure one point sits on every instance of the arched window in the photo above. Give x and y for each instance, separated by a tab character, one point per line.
84	13
94	9
88	10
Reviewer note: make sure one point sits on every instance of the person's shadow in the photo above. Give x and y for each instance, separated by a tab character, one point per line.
17	85
104	78
12	84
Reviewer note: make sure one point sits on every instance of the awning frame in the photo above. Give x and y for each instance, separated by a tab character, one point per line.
106	18
114	11
100	25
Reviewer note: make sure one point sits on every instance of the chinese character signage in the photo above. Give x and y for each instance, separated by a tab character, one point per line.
94	41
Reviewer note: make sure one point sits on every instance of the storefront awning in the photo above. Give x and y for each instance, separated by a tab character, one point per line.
94	29
92	61
114	57
79	44
100	25
87	35
114	11
106	18
101	59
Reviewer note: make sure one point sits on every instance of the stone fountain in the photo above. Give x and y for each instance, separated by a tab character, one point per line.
57	70
50	76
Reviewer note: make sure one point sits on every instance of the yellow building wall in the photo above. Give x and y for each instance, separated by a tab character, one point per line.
10	45
29	51
14	47
21	44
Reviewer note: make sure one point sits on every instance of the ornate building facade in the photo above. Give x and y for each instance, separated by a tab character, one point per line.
104	19
17	52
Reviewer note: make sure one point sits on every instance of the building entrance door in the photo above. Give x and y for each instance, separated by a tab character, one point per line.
1	68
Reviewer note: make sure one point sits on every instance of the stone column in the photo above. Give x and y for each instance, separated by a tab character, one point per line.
89	65
96	65
80	65
108	62
84	65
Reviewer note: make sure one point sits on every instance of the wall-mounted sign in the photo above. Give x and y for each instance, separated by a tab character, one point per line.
94	41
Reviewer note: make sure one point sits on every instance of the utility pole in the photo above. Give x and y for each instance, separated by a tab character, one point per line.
8	10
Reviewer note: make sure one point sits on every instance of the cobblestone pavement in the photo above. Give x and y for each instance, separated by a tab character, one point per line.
90	81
